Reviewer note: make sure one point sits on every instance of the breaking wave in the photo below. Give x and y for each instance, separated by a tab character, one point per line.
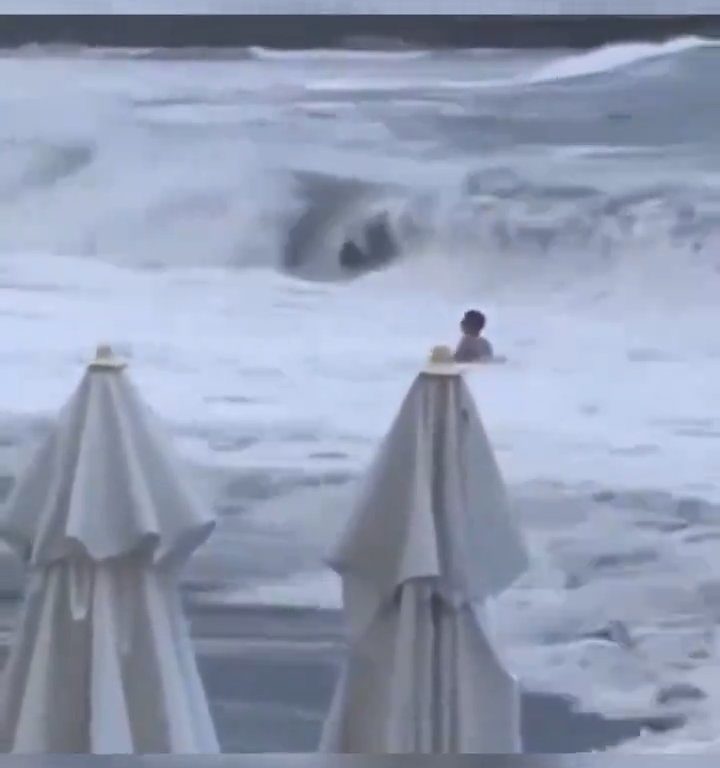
612	57
160	184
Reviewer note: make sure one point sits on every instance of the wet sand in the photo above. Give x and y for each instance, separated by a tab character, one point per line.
270	674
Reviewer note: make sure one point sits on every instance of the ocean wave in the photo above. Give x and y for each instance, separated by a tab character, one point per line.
31	165
597	61
498	224
140	176
333	54
609	58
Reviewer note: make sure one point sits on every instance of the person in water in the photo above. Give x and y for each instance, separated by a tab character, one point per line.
473	346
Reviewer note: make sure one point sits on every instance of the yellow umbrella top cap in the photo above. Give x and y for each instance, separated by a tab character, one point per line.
441	362
105	360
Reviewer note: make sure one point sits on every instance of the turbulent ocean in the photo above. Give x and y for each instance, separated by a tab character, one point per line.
275	241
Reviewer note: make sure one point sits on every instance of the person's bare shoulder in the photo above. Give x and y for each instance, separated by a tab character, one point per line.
477	351
465	352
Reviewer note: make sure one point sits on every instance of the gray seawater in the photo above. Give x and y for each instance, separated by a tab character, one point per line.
200	202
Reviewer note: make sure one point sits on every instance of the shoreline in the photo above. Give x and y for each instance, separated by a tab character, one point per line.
270	673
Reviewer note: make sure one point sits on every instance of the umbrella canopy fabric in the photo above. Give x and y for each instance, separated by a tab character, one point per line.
432	540
102	660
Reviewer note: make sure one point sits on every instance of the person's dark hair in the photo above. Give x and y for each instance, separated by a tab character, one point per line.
474	320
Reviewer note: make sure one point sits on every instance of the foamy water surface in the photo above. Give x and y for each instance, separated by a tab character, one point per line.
149	201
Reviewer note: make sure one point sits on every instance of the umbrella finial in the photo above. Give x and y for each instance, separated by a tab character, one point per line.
105	360
441	362
441	354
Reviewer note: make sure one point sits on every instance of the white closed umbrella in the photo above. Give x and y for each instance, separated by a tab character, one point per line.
431	541
102	660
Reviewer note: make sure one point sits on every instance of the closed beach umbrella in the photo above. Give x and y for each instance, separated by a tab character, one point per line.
431	541
102	660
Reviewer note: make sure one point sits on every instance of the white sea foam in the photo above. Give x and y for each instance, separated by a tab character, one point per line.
336	55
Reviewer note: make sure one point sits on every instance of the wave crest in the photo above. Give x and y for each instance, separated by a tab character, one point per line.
611	57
